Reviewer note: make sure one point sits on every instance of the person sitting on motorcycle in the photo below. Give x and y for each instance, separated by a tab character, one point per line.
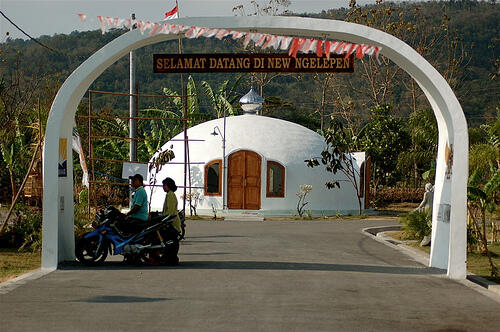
170	203
137	217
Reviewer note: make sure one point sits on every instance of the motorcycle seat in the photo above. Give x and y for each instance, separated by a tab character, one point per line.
158	219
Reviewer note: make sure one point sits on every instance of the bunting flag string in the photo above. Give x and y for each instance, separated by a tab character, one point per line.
263	40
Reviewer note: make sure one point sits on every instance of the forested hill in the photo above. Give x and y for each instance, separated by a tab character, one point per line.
473	26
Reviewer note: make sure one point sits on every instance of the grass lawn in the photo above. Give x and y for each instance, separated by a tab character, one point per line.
476	263
14	263
479	265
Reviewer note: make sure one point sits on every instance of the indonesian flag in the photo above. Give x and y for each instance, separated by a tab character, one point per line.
83	17
174	13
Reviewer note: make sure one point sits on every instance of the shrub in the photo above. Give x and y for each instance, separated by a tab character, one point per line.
82	219
416	224
24	230
395	195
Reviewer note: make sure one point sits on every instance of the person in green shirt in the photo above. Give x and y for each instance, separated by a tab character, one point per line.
138	215
170	203
139	208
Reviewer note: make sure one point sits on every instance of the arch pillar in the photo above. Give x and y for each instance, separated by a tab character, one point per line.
448	250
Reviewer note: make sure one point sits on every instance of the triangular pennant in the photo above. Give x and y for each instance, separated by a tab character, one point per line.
327	49
192	32
126	23
285	43
261	40
101	23
248	38
201	32
237	34
165	29
210	33
109	21
221	34
319	48
154	29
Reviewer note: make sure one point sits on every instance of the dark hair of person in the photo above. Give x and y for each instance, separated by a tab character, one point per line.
170	183
138	177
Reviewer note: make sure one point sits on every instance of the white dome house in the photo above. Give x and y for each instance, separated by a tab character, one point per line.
264	167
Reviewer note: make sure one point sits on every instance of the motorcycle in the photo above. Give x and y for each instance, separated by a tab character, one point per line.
157	239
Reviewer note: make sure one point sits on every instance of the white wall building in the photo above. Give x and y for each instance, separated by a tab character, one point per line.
265	168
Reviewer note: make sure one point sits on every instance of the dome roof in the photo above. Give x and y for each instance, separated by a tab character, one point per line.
274	139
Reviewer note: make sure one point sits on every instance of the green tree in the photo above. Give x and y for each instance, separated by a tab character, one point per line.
422	153
383	139
485	154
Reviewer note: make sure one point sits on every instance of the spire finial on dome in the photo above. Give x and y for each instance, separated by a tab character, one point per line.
252	102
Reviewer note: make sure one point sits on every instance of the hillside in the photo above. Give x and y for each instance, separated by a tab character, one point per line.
475	24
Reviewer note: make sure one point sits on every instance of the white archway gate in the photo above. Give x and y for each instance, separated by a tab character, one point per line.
448	249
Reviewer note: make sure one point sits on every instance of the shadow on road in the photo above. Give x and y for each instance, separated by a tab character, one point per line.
208	253
213	236
253	265
122	299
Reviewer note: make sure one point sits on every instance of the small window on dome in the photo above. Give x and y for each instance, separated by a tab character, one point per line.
275	179
213	178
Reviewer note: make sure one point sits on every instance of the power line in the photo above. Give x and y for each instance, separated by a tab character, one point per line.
27	35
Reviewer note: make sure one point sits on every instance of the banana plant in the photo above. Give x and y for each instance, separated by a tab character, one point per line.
192	101
222	99
13	156
482	197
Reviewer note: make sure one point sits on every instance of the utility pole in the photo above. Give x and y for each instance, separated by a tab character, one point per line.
132	106
132	101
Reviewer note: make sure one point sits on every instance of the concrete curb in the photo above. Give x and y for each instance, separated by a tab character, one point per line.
7	286
489	285
378	234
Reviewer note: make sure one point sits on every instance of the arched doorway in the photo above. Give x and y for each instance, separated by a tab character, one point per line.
244	180
448	249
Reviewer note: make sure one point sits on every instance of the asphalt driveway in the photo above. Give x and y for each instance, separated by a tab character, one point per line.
256	276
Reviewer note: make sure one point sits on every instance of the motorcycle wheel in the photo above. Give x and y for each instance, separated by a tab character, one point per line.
88	253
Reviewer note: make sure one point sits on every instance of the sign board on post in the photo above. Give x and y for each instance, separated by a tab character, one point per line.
250	62
130	169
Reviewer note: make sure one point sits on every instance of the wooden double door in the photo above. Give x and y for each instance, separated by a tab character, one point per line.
244	178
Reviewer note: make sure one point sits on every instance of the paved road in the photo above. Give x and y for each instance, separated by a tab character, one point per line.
256	276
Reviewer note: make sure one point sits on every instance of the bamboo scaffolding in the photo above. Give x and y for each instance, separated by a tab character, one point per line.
143	139
110	117
141	94
92	176
147	163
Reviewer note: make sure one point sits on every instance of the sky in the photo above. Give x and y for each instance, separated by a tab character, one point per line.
41	17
